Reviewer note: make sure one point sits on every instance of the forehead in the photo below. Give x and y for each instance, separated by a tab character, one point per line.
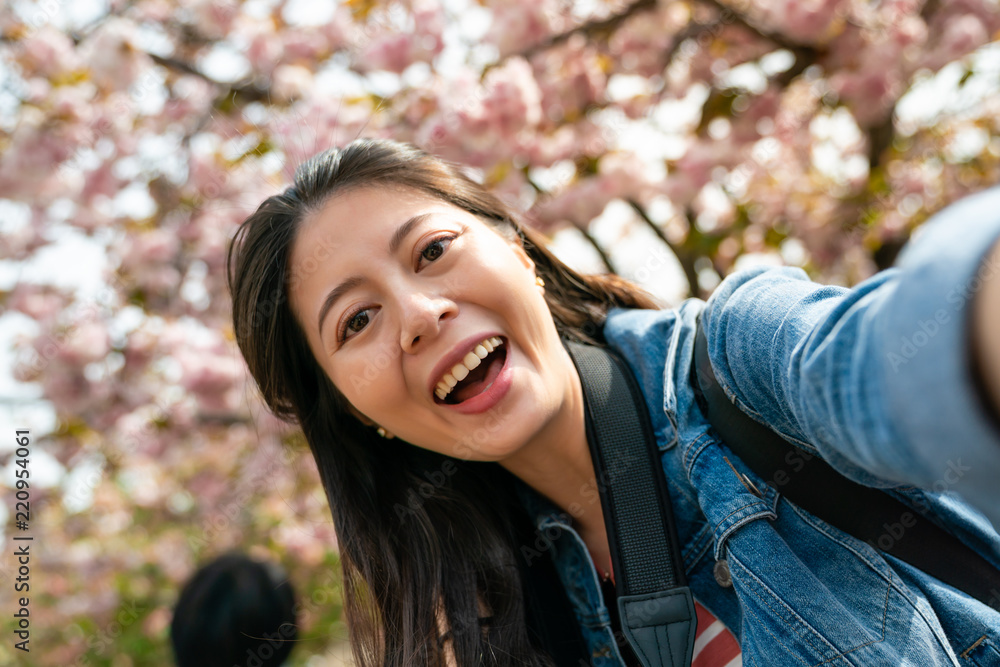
365	213
360	222
349	234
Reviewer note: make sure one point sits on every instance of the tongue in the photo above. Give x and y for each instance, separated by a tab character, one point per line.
479	379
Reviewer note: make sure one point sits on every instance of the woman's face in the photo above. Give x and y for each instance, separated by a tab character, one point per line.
395	289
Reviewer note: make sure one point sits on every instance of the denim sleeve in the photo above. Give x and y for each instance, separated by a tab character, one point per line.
876	378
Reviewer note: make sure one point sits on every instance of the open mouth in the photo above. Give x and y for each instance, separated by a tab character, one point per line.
474	374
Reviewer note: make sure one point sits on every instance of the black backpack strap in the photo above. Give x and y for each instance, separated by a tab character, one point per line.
867	513
655	606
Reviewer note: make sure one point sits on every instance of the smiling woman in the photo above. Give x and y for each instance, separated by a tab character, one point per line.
417	332
386	294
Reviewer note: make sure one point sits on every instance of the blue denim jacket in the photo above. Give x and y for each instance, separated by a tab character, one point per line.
875	380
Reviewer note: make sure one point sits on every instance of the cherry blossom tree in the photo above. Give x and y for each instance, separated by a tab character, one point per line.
818	133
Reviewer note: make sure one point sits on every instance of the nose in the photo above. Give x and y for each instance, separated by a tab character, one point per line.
423	315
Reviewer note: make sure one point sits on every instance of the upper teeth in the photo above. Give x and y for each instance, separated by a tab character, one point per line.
462	369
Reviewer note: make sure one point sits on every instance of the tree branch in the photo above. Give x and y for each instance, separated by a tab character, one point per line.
682	255
600	251
240	92
582	227
589	29
728	15
181	66
880	137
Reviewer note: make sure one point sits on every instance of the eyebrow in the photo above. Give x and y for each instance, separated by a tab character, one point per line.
347	285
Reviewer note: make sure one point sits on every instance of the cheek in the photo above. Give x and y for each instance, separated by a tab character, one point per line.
496	273
369	380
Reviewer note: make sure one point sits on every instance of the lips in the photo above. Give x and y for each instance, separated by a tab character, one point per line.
467	367
495	385
454	357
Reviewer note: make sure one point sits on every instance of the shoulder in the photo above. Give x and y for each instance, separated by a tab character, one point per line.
648	341
639	334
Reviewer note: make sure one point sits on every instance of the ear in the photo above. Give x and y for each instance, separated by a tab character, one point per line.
522	255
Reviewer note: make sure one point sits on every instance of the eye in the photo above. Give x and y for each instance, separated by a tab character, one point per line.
356	321
436	247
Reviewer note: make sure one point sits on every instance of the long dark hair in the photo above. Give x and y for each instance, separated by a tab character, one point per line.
411	558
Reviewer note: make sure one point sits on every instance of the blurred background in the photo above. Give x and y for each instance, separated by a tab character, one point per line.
670	141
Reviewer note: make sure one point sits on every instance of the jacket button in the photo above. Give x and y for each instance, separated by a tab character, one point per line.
722	575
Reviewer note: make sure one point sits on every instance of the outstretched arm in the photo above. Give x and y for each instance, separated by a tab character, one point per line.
880	379
987	333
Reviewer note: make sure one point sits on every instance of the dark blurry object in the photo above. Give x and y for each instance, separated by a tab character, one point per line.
234	611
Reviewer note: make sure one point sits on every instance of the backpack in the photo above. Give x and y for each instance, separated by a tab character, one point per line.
654	605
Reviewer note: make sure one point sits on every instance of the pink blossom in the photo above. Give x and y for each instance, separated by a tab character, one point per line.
810	20
48	52
101	181
638	46
190	99
389	51
39	302
514	100
694	169
71	393
38	91
570	78
210	373
481	124
518	24
153	11
429	25
154	247
214	18
339	29
87	342
28	166
290	82
958	36
304	45
620	175
561	144
266	48
627	176
140	349
87	219
112	58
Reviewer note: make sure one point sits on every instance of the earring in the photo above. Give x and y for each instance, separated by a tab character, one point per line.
385	434
539	281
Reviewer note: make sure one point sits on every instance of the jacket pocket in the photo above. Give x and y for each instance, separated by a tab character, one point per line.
983	653
810	596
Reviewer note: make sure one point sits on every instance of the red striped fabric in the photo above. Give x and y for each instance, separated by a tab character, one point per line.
714	644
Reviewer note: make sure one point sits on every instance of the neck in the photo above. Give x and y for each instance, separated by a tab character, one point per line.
557	464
